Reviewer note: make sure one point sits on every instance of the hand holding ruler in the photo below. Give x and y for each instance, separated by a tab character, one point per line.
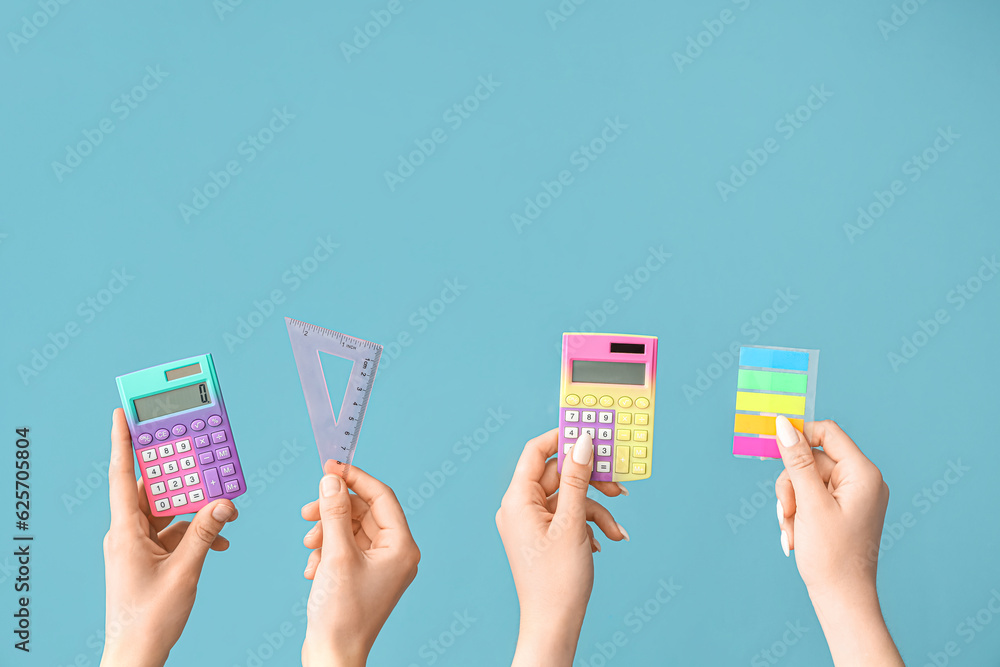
336	434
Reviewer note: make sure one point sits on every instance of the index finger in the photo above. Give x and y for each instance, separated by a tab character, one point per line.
531	465
122	490
828	435
385	508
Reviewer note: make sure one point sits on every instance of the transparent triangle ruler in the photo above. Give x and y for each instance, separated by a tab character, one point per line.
336	433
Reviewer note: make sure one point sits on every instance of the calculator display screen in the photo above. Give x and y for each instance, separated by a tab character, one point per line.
169	402
609	372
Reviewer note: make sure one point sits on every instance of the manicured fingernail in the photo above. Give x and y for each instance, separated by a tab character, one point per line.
784	543
597	545
787	435
583	450
222	512
622	488
330	485
624	532
781	514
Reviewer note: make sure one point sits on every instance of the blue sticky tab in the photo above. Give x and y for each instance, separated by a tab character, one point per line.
788	360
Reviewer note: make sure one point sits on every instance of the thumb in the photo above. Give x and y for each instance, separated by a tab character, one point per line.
335	513
574	482
800	463
199	536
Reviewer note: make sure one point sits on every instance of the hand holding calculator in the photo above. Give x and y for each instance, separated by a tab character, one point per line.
607	390
181	435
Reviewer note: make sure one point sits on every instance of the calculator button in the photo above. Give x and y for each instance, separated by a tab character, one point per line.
222	453
590	400
212	482
152	472
201	441
592	432
571	432
606	417
639	452
604	466
638	468
589	416
625	402
183	445
174	484
170	467
162	434
572	416
228	470
149	454
196	496
198	425
191	479
639	436
179	429
187	462
157	488
179	499
214	420
233	486
624	417
568	446
607	401
572	399
603	450
166	450
642	418
219	436
144	439
604	434
162	505
206	457
642	402
624	434
621	459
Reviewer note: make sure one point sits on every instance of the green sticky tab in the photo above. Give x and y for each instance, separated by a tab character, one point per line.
771	381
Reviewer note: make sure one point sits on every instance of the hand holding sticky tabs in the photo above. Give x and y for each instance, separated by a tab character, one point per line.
772	381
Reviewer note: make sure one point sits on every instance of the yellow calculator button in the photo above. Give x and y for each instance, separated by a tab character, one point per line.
573	399
642	418
607	401
625	402
642	402
640	436
624	434
624	417
621	459
639	452
589	400
638	468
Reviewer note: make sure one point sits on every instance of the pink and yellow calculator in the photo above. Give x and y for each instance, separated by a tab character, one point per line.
181	435
607	390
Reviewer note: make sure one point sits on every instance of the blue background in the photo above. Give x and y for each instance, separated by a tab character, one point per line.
496	345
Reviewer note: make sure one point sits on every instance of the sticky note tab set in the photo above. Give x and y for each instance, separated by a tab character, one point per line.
772	381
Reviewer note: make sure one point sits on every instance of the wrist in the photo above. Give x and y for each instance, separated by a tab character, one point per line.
326	654
123	654
549	641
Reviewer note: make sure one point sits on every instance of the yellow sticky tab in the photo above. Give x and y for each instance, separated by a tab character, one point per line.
777	403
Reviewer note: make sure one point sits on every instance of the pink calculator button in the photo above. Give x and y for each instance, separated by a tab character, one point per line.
201	441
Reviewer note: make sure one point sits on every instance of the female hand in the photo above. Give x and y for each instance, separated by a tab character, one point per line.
363	560
151	565
831	507
549	545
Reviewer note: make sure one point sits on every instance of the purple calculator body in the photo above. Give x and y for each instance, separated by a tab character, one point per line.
182	436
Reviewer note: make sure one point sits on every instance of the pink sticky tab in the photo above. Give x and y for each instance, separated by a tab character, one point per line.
748	446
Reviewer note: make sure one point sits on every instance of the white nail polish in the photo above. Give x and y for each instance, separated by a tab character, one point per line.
624	532
622	488
787	435
784	543
781	514
583	450
597	545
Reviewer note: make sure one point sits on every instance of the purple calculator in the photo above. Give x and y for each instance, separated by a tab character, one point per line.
182	436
